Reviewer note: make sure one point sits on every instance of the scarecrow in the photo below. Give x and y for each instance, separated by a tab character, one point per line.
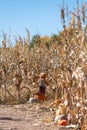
42	82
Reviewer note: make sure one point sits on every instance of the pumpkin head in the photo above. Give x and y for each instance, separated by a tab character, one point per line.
43	75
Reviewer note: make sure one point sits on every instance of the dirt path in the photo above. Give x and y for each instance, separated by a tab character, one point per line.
26	117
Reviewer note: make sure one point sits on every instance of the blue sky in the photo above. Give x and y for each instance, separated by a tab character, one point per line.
38	16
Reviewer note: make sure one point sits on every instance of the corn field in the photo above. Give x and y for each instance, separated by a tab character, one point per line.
62	57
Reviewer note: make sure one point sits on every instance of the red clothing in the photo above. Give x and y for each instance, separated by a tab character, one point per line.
41	90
